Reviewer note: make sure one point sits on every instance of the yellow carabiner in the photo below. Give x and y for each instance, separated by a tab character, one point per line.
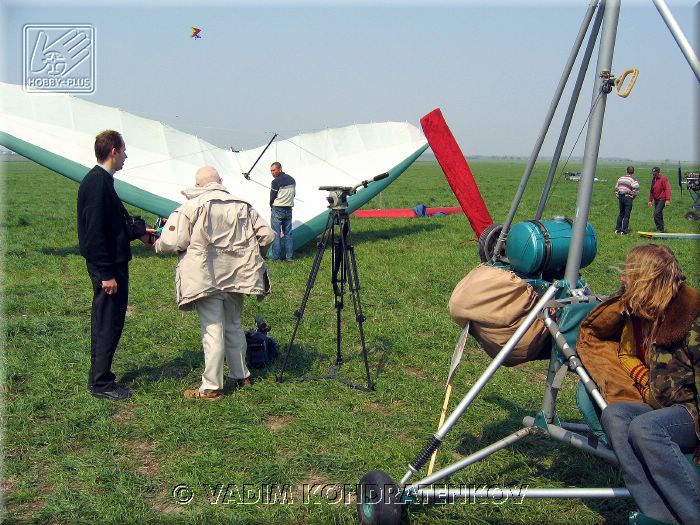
620	80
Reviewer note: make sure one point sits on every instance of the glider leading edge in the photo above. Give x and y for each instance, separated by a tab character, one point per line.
58	131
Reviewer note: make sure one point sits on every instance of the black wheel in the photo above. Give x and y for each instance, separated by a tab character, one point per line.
691	216
488	240
378	500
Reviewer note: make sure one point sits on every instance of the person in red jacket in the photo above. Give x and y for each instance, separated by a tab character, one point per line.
660	196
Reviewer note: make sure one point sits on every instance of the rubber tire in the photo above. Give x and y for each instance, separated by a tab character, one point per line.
488	240
691	216
378	500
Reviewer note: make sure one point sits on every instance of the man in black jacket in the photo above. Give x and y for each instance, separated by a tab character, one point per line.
105	230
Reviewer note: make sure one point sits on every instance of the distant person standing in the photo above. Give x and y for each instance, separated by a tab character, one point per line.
105	230
626	189
282	193
660	196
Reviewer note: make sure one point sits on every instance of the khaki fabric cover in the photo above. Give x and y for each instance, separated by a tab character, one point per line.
496	301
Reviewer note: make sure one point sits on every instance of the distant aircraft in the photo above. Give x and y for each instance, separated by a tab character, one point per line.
58	131
195	33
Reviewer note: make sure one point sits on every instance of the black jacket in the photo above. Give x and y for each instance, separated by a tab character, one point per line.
102	223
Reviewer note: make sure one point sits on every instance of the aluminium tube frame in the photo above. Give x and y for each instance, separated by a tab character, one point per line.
572	360
574	439
488	373
545	126
425	488
503	493
607	43
593	136
561	433
678	35
583	69
471	459
575	427
498	360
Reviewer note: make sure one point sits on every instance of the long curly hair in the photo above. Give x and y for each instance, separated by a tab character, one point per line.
652	277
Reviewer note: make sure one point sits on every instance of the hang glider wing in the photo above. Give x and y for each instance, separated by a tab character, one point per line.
58	131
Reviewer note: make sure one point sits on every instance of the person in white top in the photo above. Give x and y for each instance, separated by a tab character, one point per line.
626	189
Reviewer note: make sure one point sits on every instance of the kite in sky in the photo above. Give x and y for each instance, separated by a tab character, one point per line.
195	33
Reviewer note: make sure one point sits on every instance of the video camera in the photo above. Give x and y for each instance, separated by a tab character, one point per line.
135	226
158	227
338	195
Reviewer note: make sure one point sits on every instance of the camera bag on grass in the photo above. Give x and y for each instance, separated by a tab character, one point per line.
262	349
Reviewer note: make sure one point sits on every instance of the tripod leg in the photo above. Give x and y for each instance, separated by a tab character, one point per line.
354	284
338	279
321	248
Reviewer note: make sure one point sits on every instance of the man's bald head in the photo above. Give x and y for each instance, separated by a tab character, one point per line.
206	175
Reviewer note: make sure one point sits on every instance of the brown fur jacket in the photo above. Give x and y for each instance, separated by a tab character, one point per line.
674	358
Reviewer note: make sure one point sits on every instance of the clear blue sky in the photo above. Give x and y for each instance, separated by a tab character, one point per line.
288	68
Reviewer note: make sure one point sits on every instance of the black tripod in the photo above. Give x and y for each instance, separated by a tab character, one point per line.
344	266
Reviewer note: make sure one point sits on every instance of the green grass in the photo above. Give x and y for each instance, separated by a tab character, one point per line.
71	458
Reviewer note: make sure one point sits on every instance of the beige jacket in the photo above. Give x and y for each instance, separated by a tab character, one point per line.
220	241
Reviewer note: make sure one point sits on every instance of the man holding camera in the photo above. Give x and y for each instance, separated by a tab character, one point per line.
220	240
105	230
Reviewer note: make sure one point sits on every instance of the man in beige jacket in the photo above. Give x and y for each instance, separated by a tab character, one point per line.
220	241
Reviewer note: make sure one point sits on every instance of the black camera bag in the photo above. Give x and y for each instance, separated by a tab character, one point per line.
262	349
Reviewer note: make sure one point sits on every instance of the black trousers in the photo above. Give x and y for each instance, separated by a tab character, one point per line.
623	218
659	205
107	323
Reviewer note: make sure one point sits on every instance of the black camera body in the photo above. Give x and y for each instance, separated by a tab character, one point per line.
262	326
338	196
136	226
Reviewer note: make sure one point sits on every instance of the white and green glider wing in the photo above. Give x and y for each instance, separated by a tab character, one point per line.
58	131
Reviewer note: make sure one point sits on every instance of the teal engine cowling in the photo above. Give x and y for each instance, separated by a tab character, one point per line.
541	248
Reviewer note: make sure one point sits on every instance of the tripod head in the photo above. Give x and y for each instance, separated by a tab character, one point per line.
338	195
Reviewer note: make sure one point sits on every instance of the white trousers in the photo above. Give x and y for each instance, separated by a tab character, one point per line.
222	336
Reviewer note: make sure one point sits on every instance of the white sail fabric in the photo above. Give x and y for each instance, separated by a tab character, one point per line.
162	160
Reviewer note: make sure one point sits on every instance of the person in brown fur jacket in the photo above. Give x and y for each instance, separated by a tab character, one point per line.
642	348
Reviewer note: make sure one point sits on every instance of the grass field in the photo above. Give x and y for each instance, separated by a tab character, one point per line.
71	458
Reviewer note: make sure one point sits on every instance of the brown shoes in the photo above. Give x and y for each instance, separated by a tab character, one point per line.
240	383
244	382
214	395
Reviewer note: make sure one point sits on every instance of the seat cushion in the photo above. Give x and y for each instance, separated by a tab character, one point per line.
590	412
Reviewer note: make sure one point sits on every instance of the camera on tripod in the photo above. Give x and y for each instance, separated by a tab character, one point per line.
338	196
337	235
